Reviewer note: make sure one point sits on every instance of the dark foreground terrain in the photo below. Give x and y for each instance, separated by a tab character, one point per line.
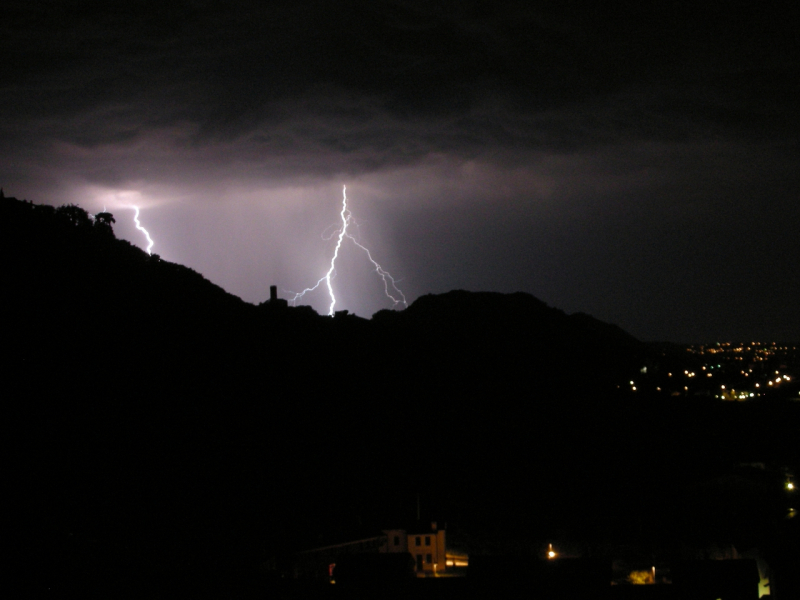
166	439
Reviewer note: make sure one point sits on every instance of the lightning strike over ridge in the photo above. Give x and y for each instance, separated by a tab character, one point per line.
142	229
389	285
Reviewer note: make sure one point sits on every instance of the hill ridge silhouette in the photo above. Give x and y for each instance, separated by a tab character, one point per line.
167	435
60	261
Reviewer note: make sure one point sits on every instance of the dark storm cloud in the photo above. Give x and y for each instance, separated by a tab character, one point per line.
584	155
107	75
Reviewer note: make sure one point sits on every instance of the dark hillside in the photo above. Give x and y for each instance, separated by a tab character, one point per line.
165	435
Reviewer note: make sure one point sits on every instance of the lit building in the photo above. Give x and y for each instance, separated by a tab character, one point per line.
429	549
427	546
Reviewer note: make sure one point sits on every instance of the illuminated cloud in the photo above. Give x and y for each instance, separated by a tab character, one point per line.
613	163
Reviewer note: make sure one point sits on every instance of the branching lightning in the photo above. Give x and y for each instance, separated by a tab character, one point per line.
389	284
142	229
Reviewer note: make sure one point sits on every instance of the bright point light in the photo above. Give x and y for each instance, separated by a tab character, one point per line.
790	486
388	280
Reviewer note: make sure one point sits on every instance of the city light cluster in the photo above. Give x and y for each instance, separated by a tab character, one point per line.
728	371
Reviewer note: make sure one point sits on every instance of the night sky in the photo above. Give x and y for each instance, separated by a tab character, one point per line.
638	163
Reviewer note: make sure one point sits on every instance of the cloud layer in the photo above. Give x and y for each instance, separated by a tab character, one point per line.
634	163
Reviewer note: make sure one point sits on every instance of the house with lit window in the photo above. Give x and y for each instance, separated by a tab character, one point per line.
426	545
429	549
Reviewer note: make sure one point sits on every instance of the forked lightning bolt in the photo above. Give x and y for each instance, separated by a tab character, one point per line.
142	229
389	284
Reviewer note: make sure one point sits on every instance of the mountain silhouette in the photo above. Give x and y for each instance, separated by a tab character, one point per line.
166	435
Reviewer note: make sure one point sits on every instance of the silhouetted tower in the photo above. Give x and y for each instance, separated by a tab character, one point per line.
274	301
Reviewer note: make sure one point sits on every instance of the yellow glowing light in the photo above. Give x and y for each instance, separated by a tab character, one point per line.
641	577
790	486
550	552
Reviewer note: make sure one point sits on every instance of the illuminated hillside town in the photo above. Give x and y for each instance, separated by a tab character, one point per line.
724	371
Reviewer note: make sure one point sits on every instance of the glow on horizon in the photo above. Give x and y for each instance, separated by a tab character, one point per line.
388	280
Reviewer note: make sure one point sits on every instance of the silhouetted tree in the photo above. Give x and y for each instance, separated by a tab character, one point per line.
75	215
103	221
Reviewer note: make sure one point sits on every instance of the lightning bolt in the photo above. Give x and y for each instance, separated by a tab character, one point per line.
142	229
389	285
